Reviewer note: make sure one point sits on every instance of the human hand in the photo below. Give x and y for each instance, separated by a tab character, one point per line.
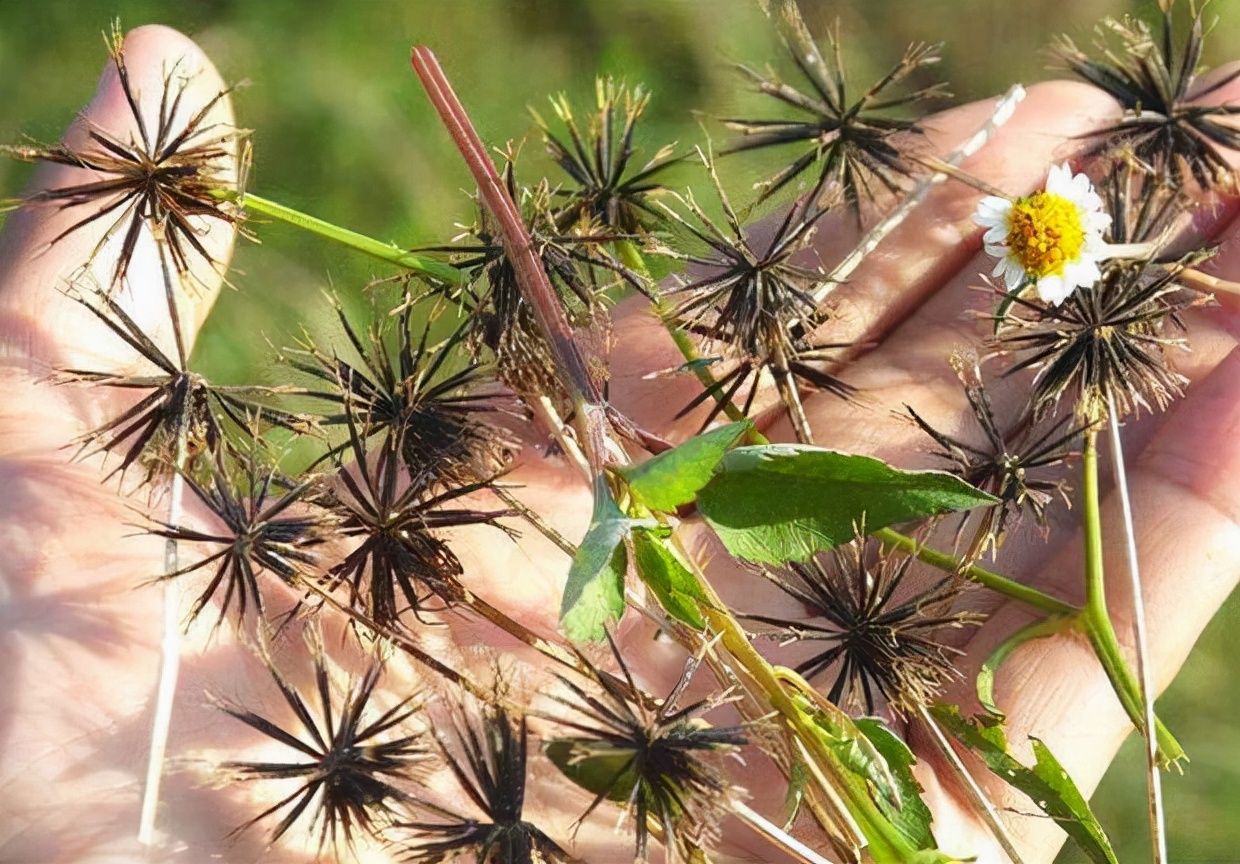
83	641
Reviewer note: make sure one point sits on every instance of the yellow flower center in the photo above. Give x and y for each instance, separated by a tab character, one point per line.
1044	233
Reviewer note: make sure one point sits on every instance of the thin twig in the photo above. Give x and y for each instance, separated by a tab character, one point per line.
1207	284
541	525
1004	109
770	831
975	792
545	414
1153	778
170	654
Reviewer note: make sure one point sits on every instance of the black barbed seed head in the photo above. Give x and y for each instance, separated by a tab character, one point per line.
857	144
172	179
263	524
661	764
430	402
606	194
1152	76
351	759
751	300
395	515
1015	463
170	401
1108	342
486	751
502	326
880	636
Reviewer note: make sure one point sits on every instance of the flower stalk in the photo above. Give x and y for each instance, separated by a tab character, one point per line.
1095	621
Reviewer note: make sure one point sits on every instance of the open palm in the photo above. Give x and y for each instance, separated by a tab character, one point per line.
81	641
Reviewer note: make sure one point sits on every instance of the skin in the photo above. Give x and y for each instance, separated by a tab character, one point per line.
80	647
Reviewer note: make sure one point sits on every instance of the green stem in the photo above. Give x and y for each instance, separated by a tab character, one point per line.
1026	594
632	258
389	252
884	845
1096	622
1049	626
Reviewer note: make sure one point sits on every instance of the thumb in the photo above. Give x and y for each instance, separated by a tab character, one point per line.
54	241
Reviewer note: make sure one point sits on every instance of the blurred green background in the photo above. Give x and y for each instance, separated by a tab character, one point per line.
342	130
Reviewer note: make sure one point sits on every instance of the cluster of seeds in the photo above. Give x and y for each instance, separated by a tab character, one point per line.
418	418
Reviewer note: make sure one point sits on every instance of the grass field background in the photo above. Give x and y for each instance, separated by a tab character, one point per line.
342	130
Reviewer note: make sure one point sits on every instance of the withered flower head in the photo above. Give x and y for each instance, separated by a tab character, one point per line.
487	755
502	324
1152	78
1010	463
856	143
661	764
605	193
400	561
1144	207
749	296
880	637
429	401
168	179
171	401
263	524
350	763
1108	342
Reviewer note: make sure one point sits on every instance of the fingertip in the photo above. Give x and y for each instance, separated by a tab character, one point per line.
38	325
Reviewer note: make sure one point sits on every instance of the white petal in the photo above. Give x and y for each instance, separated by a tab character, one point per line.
996	234
1059	180
1014	274
1082	272
1054	290
991	210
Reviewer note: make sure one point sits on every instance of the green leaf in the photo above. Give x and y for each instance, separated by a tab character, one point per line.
912	818
607	773
667	576
1008	301
859	767
594	593
776	503
1046	783
666	481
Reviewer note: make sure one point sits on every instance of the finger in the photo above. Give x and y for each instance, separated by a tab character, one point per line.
39	325
912	369
920	255
1187	513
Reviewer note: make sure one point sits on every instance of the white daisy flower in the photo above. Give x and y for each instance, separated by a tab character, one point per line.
1051	238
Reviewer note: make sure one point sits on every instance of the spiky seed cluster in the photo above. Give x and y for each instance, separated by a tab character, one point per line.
487	754
1144	207
433	409
1015	463
662	764
751	298
1108	342
607	195
171	401
502	325
351	764
1152	78
263	525
856	143
881	637
171	179
399	561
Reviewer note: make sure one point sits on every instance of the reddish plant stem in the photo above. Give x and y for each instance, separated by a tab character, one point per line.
519	246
